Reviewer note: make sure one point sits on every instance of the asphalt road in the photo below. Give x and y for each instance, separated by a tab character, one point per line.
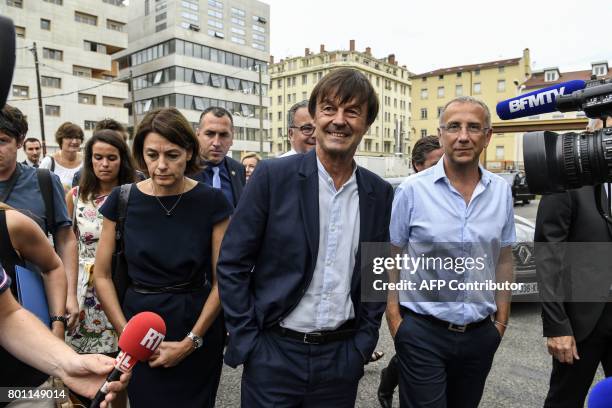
518	379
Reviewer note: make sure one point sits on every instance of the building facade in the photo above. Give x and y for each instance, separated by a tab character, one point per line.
292	80
192	54
490	82
75	41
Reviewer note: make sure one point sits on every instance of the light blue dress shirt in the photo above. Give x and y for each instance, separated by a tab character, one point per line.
430	218
327	303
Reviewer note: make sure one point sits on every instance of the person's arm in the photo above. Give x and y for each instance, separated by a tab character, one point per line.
504	272
25	337
238	256
553	224
171	353
392	312
66	247
32	244
103	281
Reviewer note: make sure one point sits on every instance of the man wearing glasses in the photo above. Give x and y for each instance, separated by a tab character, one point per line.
446	336
301	129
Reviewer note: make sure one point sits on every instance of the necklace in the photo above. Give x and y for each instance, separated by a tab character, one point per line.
168	211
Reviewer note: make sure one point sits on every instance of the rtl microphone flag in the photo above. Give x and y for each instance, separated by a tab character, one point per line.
139	340
537	102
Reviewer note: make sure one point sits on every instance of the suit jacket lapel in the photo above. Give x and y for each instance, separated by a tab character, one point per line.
309	201
367	219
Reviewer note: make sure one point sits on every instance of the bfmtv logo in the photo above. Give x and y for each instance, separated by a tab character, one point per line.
152	339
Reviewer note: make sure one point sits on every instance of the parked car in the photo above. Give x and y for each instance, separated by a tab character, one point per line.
520	190
523	254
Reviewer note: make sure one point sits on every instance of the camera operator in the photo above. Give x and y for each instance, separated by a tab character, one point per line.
579	333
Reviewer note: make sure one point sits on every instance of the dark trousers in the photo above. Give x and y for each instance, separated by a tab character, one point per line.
283	372
570	383
440	368
389	378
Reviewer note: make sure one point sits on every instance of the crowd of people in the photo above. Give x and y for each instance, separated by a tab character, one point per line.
258	262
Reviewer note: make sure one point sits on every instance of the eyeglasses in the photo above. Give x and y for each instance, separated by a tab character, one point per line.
471	128
306	130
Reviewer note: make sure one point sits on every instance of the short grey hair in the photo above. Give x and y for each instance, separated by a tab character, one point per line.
472	100
293	109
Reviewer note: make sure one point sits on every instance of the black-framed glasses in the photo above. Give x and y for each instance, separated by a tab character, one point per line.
306	130
471	128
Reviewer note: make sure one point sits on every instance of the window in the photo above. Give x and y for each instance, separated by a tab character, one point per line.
440	77
58	2
600	69
424	94
258	37
50	82
20	32
238	31
440	92
215	23
304	79
81	71
423	133
15	3
21	91
85	18
551	76
499	152
477	71
280	115
238	12
477	88
501	85
279	99
50	53
258	46
95	47
423	113
52	110
114	2
112	101
258	28
261	20
458	90
501	69
238	21
214	13
45	24
118	26
90	125
160	27
87	99
458	74
215	4
238	40
440	110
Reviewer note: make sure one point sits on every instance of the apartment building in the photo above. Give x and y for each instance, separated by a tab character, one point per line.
192	54
293	78
75	44
490	82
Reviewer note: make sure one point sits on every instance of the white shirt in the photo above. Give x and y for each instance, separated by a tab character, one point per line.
289	153
64	173
327	303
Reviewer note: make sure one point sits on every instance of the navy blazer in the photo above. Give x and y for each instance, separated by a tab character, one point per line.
237	174
269	251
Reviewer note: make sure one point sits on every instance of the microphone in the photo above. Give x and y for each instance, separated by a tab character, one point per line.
139	340
534	103
601	394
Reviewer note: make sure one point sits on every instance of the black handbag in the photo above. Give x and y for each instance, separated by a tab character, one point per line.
120	276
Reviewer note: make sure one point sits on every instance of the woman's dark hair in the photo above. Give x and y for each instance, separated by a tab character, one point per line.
68	130
172	125
89	185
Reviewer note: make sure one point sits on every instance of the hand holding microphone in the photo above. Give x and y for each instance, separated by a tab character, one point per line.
139	340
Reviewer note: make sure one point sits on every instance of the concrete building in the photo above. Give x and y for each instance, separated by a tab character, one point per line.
293	78
192	54
75	41
489	81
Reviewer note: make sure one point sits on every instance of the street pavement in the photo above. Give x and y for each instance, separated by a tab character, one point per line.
518	379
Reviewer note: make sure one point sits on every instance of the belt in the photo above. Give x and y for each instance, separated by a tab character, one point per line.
322	337
459	328
187	287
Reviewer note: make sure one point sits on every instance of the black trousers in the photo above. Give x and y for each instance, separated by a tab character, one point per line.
570	383
287	373
440	368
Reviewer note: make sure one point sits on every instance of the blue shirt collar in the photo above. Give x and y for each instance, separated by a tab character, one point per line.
440	173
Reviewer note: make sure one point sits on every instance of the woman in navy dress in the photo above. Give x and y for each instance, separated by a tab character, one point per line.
173	231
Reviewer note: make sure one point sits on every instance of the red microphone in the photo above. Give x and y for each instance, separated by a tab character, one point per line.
139	340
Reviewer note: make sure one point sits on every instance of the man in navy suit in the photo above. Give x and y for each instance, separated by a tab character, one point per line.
290	264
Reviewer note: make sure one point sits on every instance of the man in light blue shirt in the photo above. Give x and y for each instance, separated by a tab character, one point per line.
448	214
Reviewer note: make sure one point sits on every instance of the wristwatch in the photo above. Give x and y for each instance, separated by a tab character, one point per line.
197	340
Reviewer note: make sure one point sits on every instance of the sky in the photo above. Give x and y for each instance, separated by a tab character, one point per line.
426	35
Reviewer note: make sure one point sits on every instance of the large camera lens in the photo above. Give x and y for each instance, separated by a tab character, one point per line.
556	163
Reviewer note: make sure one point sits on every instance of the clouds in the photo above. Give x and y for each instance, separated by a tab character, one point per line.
426	35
